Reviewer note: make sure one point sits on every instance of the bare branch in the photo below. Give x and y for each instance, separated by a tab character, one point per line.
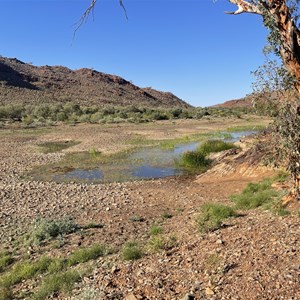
122	5
90	10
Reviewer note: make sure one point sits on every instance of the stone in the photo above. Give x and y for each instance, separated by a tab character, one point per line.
130	297
209	291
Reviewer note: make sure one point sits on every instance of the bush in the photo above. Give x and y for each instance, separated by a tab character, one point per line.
255	195
155	230
193	160
158	242
132	251
212	146
48	229
212	216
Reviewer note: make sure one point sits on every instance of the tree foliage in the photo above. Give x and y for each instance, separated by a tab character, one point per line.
278	84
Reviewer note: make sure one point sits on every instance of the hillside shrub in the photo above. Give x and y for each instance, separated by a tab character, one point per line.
255	195
212	216
45	229
132	250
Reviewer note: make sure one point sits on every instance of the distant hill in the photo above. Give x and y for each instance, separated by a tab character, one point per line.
27	84
245	102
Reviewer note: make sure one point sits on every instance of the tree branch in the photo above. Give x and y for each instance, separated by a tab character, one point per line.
245	7
90	10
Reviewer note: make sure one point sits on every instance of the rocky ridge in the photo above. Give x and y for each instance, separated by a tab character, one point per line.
22	83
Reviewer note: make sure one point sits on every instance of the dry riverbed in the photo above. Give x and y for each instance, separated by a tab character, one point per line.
255	256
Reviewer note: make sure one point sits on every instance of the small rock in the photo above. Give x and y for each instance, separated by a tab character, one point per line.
130	297
209	291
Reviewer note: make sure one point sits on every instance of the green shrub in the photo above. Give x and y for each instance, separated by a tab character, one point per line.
212	146
255	195
281	211
45	229
167	215
193	160
212	216
137	219
159	242
132	250
5	260
155	230
84	255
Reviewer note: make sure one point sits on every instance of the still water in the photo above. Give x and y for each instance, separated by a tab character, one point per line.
144	163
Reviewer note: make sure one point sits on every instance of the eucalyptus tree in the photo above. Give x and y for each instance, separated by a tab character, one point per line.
281	19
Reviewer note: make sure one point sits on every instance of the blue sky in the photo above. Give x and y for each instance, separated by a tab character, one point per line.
189	47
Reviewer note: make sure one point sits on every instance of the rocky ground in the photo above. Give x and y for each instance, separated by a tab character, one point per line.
254	256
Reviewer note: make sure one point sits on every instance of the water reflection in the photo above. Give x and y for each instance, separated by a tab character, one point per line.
144	163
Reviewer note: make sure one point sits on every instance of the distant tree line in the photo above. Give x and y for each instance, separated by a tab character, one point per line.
49	114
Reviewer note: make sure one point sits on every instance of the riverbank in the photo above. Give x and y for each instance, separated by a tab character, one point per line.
254	256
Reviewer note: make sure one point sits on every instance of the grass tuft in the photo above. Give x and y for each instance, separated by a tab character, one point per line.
159	242
193	160
212	146
24	270
62	282
132	251
86	254
5	260
255	195
212	216
156	230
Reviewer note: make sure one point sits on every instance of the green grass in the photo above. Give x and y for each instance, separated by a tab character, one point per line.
212	216
281	211
5	260
159	242
246	128
24	270
193	160
94	152
256	195
57	283
85	254
132	250
52	147
212	146
59	276
156	230
6	294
